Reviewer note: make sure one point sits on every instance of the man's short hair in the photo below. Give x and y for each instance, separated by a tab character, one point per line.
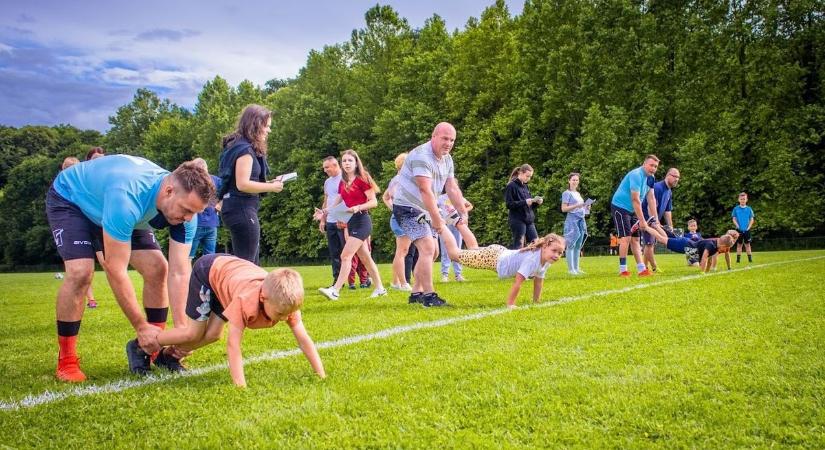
652	156
191	177
330	157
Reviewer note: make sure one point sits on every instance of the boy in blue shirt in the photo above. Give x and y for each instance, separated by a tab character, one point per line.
743	219
118	200
693	235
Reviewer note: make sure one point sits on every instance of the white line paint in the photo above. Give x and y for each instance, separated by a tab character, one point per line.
122	385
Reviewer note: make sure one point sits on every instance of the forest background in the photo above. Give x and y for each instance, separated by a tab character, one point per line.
728	91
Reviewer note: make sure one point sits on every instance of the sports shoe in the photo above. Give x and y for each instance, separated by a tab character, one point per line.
451	217
624	274
92	304
366	284
168	362
645	273
460	278
329	292
415	297
68	369
352	286
650	221
658	270
378	293
445	278
138	359
432	300
401	287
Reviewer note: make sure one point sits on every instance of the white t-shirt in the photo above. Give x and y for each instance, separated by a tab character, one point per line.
528	264
422	162
331	190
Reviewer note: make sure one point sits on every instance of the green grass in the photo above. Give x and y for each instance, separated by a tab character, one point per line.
731	360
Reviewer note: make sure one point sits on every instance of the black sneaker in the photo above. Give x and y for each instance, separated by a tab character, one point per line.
432	300
366	284
352	285
416	297
168	362
138	359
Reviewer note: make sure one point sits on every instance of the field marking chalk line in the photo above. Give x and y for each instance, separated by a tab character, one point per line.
122	385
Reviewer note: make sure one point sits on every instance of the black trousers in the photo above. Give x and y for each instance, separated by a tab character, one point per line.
335	242
242	221
522	230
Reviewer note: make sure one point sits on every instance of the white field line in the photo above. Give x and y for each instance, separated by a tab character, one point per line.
121	385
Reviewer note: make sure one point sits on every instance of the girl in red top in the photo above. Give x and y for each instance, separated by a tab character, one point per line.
357	190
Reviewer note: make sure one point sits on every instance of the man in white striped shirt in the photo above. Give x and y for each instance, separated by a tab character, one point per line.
427	172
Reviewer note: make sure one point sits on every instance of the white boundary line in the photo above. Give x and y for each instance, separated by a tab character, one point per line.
121	385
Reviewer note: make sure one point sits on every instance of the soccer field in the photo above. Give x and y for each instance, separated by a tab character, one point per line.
730	359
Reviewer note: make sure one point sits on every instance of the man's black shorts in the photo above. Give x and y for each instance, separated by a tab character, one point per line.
202	300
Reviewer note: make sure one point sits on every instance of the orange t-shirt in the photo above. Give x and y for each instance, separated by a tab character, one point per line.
237	284
614	241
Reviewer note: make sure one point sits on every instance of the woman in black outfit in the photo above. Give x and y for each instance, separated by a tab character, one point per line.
243	170
520	205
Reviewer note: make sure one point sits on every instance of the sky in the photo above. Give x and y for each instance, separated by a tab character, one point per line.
77	62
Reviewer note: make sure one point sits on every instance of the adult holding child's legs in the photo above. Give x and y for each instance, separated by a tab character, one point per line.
427	172
243	170
357	191
663	192
626	208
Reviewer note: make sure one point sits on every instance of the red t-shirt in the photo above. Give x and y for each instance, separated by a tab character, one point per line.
355	195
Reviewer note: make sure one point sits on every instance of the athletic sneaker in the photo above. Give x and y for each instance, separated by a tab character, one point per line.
138	359
460	278
624	274
445	278
329	292
645	273
378	293
432	300
401	287
92	304
650	221
168	362
451	217
68	369
416	297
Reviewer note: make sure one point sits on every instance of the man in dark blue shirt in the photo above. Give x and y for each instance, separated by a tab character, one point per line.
206	234
663	193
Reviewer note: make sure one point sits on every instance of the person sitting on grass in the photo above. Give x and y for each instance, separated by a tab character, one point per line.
531	261
225	288
703	249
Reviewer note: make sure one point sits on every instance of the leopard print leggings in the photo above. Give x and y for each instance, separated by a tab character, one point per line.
481	258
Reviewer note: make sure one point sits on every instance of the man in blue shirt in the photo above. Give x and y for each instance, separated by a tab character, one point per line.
626	206
743	219
118	200
663	193
206	235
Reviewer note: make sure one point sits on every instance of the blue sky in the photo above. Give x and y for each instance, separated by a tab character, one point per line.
77	62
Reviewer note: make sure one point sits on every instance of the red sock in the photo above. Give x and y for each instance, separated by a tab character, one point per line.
162	326
68	346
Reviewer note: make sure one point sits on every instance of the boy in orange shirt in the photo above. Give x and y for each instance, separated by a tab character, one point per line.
224	288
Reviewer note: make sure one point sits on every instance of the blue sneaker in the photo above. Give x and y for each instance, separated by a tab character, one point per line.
432	300
139	363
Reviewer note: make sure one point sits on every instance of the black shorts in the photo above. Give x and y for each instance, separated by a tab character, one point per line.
360	226
623	220
202	300
77	237
744	237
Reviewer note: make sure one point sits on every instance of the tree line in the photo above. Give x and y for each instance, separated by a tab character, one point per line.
728	91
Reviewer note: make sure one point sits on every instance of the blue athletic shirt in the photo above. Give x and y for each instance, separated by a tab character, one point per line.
664	200
743	216
118	193
635	181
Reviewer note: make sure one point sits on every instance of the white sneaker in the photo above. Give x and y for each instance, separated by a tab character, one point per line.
329	292
445	279
378	293
405	287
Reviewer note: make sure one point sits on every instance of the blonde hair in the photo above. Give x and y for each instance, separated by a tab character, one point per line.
399	160
284	289
544	241
691	221
726	240
69	162
360	172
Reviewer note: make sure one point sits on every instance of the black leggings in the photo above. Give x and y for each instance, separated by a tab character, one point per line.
242	221
521	230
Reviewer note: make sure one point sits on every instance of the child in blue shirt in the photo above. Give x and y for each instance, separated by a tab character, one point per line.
743	219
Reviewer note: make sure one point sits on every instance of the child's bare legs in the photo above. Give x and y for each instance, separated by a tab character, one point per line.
350	249
402	247
192	332
366	258
467	235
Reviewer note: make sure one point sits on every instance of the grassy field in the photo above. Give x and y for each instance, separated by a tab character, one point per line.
732	359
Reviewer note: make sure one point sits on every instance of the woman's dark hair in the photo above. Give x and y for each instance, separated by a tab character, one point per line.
519	170
94	151
250	127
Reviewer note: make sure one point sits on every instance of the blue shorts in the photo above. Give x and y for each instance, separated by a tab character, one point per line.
396	229
408	219
77	237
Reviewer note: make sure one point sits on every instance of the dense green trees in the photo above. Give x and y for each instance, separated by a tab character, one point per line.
729	91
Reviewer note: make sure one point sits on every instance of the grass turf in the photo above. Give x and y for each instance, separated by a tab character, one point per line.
734	360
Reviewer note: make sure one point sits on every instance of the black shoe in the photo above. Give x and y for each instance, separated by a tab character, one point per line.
432	300
352	285
138	359
416	297
367	284
168	362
